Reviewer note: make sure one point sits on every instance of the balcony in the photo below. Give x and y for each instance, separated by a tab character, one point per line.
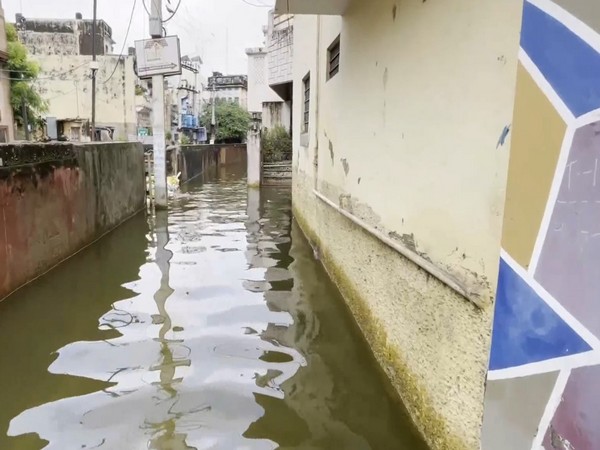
324	7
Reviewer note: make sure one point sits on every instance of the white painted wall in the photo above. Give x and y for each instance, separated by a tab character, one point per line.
280	47
258	83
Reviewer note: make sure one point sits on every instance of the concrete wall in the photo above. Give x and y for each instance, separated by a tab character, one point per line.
65	83
543	387
280	46
6	115
258	82
411	138
56	199
277	114
194	160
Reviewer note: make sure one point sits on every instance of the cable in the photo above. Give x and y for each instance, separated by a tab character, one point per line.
53	77
174	12
124	43
255	5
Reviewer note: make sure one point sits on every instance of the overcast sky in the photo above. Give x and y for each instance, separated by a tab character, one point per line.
217	30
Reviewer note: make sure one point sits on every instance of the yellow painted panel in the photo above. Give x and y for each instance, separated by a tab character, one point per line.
538	133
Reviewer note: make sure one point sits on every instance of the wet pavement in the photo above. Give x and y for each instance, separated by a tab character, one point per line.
211	328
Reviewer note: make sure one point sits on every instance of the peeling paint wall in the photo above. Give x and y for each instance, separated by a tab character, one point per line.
65	83
57	198
410	137
543	387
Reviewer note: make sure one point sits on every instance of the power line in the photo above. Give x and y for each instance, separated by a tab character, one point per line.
255	5
52	77
174	12
124	43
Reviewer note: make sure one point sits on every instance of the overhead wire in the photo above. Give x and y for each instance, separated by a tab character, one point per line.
261	5
124	43
173	13
52	77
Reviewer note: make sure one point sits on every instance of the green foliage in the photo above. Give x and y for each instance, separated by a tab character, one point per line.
22	73
232	121
276	144
168	136
139	90
185	140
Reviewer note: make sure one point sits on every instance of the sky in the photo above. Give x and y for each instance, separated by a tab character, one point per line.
218	31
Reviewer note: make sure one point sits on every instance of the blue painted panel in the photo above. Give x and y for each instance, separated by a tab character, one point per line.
526	329
569	64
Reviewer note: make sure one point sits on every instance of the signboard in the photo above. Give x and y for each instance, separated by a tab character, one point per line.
142	132
158	57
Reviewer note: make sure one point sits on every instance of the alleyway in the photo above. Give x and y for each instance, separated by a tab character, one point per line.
212	328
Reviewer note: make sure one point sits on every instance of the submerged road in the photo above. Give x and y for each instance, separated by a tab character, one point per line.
210	327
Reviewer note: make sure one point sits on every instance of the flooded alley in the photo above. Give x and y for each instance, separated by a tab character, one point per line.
210	327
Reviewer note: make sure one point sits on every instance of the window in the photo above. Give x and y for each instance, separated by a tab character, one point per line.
237	100
4	134
306	117
333	58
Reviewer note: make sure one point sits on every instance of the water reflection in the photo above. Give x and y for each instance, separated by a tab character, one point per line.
230	336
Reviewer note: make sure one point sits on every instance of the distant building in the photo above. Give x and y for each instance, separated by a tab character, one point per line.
231	88
64	36
189	102
6	116
63	47
270	74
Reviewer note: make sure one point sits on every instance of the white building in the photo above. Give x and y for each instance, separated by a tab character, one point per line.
231	88
399	180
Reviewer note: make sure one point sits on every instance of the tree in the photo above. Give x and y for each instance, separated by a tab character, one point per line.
23	73
232	121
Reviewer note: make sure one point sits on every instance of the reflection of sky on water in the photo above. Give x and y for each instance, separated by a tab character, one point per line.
191	358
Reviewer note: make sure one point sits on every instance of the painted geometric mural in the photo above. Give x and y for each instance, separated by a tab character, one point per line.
543	389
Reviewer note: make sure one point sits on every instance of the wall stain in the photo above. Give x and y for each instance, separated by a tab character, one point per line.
331	153
408	240
359	179
385	78
394	12
345	165
503	136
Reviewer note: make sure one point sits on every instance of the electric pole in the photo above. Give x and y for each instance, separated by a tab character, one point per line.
213	119
94	71
158	116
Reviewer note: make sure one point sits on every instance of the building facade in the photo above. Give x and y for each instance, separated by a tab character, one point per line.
231	88
63	49
64	36
6	115
401	150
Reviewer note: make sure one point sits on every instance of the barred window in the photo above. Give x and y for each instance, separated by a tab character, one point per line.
306	87
333	58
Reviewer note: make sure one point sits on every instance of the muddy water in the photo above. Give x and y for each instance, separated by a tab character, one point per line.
212	328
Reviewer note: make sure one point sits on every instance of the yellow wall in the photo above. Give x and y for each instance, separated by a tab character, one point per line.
405	137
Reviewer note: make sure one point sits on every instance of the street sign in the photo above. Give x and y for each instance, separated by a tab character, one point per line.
158	57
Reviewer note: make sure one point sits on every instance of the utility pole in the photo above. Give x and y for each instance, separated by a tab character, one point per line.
213	120
94	71
158	115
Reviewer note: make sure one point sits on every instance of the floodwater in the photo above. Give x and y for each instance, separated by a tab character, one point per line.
210	328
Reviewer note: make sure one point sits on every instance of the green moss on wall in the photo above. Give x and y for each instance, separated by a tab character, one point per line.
416	399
